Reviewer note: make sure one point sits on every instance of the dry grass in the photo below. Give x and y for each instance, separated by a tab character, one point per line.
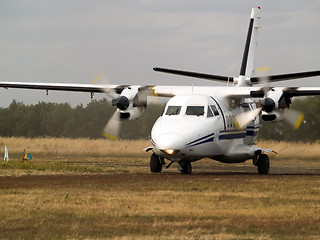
162	207
106	195
78	147
106	148
293	150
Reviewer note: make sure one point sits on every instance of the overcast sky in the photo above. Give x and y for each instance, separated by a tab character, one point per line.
73	40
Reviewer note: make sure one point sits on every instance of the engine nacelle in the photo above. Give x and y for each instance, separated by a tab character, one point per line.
131	113
132	102
274	116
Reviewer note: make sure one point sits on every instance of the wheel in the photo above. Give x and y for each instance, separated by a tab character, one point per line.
185	167
155	164
263	164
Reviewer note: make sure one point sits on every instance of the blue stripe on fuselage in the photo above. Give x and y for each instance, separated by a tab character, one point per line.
251	131
232	135
205	141
197	141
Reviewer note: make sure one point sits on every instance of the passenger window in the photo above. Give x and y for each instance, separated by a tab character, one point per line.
173	110
210	113
215	110
195	110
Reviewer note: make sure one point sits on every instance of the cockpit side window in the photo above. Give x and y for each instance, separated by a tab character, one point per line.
173	110
210	113
195	110
215	110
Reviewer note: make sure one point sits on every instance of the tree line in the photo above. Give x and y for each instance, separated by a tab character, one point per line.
62	120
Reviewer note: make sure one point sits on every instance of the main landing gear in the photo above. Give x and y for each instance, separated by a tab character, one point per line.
185	167
262	162
157	162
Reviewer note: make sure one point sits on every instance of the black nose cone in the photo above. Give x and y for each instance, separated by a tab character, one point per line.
122	103
268	105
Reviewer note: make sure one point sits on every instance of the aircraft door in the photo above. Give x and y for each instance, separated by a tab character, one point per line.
251	126
217	112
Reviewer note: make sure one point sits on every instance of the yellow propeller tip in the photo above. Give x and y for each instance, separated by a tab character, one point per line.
236	123
298	123
95	80
109	136
263	69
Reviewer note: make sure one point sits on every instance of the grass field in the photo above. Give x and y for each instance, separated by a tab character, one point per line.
99	189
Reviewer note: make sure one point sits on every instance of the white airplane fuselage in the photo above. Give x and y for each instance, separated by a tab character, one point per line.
196	126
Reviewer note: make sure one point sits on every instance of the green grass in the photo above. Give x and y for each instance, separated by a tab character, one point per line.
52	166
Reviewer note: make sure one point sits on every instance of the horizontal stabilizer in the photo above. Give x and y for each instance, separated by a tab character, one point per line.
194	74
288	76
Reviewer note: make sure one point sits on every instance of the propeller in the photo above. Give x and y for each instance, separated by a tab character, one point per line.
130	101
268	105
112	128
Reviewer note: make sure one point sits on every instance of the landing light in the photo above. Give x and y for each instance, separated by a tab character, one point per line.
170	151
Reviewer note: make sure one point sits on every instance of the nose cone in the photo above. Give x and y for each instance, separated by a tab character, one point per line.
178	139
168	134
167	141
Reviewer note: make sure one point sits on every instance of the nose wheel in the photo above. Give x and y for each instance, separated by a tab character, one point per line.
155	163
185	167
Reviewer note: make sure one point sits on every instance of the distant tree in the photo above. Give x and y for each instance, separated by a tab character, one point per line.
309	131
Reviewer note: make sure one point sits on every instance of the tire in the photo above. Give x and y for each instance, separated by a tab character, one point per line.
155	164
185	167
263	164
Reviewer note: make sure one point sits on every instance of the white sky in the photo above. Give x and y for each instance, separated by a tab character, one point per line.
73	40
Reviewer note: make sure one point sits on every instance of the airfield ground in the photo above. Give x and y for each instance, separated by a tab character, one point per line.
97	189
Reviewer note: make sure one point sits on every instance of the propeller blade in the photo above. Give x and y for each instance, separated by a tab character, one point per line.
112	129
111	92
96	78
244	118
264	79
293	117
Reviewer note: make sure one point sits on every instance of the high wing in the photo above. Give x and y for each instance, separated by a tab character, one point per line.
92	88
289	92
162	91
165	91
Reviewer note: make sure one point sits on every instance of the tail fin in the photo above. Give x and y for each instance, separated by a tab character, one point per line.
248	60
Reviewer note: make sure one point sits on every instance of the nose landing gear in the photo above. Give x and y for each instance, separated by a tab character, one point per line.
155	163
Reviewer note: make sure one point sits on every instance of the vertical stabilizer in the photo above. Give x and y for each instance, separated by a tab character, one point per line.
248	60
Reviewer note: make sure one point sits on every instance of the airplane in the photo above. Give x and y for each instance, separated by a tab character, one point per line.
216	122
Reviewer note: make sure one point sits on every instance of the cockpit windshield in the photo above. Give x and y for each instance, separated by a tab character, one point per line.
195	110
173	110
